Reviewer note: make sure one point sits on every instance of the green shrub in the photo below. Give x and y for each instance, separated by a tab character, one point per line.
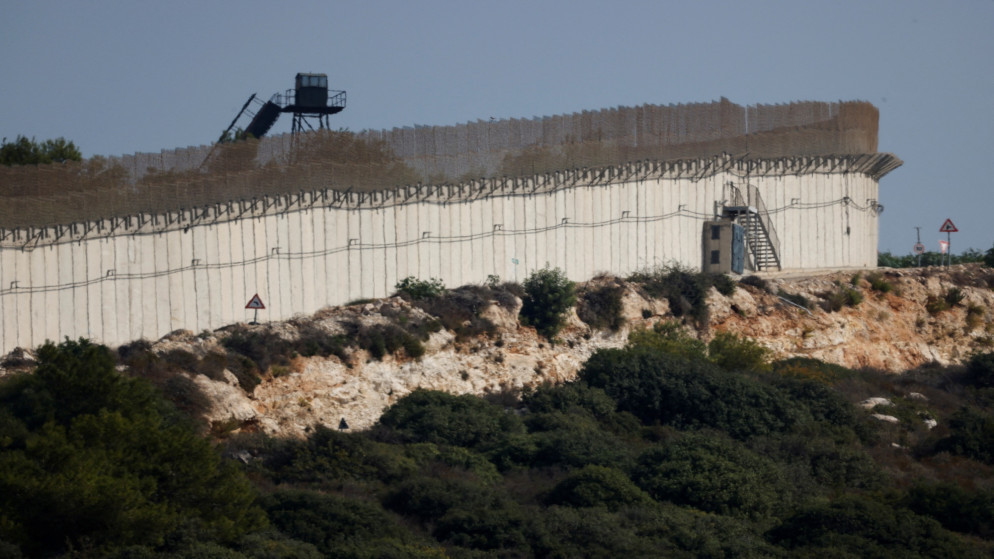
842	297
755	281
974	316
570	397
413	347
954	296
971	434
213	365
381	340
723	283
734	353
428	499
878	283
186	396
808	368
312	340
858	526
337	526
713	474
684	289
420	289
667	389
499	528
328	457
573	440
934	305
94	460
458	310
956	508
264	347
668	337
549	294
436	417
181	360
597	486
601	307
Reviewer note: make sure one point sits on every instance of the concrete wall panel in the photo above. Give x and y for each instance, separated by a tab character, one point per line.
148	283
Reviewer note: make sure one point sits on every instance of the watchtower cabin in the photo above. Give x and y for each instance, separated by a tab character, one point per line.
312	99
311	91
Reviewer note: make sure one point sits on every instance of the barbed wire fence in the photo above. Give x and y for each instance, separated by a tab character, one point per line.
104	187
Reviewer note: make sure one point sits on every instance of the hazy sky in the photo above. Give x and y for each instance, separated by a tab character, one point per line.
134	76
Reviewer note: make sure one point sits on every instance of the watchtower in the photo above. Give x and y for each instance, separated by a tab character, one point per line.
310	98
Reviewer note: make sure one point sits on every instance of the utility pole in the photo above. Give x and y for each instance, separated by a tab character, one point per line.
919	230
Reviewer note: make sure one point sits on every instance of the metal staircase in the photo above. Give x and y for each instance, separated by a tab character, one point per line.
750	212
263	120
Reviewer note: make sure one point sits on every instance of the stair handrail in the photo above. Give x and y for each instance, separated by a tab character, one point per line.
336	99
756	201
737	196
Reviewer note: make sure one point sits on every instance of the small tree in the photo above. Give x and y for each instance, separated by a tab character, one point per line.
989	257
548	295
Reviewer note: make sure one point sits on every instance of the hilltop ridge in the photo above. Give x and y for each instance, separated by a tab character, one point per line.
903	319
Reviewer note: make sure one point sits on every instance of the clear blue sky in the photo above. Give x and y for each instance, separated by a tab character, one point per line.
125	76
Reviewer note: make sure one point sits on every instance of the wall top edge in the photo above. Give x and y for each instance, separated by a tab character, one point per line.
874	165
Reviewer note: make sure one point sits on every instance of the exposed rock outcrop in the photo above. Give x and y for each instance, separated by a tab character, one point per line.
893	328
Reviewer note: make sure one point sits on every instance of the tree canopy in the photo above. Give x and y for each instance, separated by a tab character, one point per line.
23	151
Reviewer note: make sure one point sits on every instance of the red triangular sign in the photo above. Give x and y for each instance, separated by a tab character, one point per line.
255	303
948	227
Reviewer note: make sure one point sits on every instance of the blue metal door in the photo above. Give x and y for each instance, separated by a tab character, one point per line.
738	248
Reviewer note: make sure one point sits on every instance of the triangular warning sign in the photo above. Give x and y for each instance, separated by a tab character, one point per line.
255	303
948	227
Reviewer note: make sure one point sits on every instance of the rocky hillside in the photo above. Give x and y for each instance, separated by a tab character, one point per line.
894	320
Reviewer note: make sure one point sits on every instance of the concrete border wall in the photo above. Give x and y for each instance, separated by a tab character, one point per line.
144	276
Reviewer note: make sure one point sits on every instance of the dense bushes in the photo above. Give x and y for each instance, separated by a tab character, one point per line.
667	389
713	474
655	451
93	460
438	417
341	527
856	526
971	434
685	290
597	486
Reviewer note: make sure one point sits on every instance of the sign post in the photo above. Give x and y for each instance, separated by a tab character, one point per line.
948	228
255	303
